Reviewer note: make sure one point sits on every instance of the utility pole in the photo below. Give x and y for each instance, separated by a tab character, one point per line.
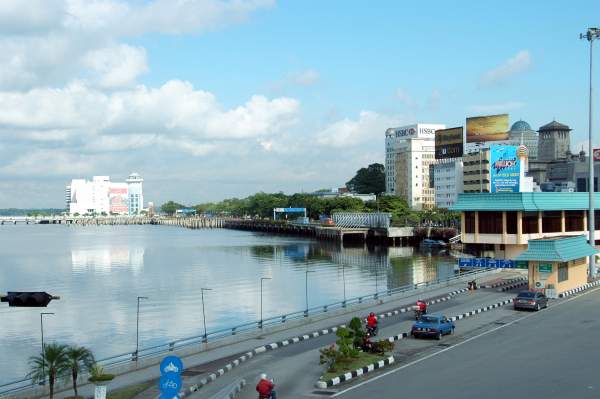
203	312
590	35
42	314
137	328
261	300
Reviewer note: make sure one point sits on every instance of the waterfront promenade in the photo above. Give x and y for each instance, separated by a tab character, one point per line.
206	362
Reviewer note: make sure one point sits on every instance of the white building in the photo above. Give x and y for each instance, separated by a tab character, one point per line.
410	152
448	181
101	196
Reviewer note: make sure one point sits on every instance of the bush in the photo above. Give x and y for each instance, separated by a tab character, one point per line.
345	343
330	357
358	333
97	374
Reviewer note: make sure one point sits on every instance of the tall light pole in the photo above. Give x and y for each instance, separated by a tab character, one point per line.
590	35
306	290
261	299
137	328
203	312
344	281
42	314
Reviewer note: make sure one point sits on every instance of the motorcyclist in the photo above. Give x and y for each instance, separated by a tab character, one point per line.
422	306
372	322
265	388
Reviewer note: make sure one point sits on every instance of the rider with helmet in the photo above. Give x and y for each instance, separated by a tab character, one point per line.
372	324
265	388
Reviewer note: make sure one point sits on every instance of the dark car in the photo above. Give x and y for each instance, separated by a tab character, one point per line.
530	300
432	326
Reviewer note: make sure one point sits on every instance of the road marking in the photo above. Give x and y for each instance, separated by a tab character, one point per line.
458	344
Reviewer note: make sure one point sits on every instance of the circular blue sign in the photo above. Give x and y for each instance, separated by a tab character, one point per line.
171	365
170	384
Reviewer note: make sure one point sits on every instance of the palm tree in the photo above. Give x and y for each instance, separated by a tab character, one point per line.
78	357
52	363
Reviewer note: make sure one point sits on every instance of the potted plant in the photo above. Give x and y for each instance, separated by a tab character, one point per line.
100	380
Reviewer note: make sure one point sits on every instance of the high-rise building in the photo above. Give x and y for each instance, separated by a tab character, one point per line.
409	156
554	142
448	181
136	196
476	171
67	197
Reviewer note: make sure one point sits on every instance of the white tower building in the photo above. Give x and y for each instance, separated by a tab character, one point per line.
136	196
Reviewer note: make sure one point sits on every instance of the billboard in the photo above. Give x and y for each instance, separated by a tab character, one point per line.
505	169
487	128
421	130
596	154
117	197
449	143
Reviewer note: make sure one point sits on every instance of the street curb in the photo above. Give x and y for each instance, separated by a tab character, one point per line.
481	310
516	285
579	289
248	355
398	337
505	283
410	308
356	373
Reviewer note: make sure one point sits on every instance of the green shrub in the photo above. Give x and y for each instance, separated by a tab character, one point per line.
97	374
358	333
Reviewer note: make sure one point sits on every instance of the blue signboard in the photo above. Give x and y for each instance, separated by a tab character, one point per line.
170	383
486	263
505	169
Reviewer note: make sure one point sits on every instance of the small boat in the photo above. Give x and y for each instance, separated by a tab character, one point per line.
433	243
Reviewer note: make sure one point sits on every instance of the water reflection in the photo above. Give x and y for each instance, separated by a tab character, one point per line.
103	260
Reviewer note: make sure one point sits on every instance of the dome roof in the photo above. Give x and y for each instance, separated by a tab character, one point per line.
520	125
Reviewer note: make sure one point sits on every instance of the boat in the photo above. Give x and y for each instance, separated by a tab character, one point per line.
432	243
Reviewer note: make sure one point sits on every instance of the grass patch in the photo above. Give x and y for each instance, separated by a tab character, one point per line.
363	359
130	391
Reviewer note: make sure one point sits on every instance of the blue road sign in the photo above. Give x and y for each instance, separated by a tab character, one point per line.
170	384
485	262
465	262
171	365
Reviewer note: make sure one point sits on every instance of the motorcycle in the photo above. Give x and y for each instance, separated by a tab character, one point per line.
273	395
419	312
372	331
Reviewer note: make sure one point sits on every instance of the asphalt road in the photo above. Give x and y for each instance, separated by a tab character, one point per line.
296	369
553	353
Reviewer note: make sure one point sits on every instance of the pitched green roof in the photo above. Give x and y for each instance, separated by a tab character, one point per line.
524	201
559	249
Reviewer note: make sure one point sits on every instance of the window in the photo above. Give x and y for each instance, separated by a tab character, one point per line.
470	222
563	271
530	223
511	222
490	222
574	220
551	222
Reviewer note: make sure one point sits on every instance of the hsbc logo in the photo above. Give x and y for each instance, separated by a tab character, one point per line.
411	131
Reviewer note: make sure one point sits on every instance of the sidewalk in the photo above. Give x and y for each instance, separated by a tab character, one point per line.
212	358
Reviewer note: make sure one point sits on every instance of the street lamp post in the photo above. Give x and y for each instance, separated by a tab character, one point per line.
376	282
203	312
42	314
261	300
344	281
590	35
306	290
137	328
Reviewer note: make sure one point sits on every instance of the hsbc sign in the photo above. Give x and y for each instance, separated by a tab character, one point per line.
418	130
406	132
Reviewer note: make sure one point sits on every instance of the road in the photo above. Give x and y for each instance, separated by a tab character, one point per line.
550	354
296	368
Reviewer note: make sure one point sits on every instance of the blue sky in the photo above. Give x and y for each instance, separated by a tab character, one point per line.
209	99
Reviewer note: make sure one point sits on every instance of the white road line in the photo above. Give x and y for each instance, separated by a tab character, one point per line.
456	345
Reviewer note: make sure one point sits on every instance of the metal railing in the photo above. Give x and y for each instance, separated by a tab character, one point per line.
245	328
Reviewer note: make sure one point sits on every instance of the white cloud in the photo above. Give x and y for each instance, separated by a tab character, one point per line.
307	78
513	66
117	65
348	133
496	108
41	163
405	98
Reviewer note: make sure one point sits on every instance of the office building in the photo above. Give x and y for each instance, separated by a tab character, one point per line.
100	196
448	181
136	196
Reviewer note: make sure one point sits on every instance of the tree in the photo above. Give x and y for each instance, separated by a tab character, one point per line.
78	357
170	207
369	180
53	363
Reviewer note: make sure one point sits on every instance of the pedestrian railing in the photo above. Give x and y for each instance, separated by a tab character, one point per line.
245	328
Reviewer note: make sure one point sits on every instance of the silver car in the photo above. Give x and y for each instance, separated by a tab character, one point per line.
530	300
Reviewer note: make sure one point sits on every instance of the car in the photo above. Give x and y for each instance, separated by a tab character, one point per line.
530	300
432	326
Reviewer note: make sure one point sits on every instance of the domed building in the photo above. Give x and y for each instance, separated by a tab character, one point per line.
521	133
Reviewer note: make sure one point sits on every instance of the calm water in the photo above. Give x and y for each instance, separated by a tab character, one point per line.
99	271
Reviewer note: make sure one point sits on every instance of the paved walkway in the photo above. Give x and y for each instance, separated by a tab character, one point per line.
210	360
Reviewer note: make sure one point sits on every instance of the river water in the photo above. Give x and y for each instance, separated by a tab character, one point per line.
100	271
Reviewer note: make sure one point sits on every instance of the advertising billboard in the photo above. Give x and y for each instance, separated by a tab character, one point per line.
505	169
449	143
117	197
596	154
418	130
487	128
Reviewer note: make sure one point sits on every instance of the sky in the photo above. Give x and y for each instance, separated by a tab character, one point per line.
212	99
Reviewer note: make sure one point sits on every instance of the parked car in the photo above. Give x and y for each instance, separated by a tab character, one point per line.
432	326
530	300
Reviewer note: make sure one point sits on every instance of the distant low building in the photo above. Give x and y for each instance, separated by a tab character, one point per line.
101	196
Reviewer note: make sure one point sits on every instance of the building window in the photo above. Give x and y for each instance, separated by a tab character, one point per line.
563	271
530	223
551	222
490	222
470	222
511	222
574	220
